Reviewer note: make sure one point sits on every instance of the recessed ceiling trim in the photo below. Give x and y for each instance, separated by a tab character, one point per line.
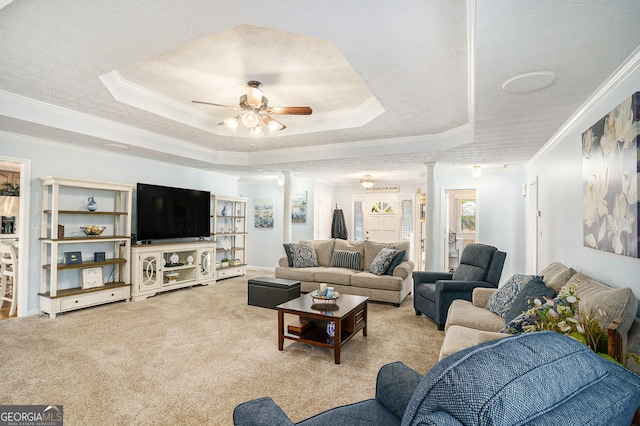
27	109
140	97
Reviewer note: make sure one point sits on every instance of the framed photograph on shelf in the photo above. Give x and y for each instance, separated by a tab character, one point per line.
92	277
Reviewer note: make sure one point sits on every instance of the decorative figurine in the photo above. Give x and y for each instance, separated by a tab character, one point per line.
92	206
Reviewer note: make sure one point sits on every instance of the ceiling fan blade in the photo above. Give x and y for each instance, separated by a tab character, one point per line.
300	110
211	103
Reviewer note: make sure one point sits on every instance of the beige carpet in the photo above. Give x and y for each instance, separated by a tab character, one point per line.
190	356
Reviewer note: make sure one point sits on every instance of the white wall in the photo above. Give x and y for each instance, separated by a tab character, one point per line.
560	188
49	159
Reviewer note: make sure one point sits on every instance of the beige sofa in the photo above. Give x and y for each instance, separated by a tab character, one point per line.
470	323
382	288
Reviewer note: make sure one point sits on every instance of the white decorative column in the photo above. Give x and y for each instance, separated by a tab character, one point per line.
429	241
286	208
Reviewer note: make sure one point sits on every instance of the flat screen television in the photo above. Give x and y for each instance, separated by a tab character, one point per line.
169	213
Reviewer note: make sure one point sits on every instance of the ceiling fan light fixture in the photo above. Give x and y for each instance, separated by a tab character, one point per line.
274	126
256	132
250	119
367	181
231	123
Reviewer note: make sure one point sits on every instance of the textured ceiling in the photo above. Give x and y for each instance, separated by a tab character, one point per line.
433	69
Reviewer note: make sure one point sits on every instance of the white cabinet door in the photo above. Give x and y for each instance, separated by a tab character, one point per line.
148	273
206	264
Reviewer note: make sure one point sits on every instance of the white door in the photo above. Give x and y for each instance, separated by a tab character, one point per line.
382	219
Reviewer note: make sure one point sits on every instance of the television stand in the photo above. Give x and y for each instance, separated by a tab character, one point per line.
152	272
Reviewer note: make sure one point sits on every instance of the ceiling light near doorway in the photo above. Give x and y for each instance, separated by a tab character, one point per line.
476	171
367	181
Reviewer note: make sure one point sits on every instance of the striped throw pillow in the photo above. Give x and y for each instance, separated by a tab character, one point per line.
345	259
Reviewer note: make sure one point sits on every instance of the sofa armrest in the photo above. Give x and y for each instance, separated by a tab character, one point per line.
420	277
450	286
260	412
283	261
404	269
395	385
481	295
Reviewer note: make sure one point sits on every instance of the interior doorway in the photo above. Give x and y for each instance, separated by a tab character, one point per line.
13	208
460	229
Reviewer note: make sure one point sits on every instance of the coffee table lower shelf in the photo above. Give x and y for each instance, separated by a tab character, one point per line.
350	319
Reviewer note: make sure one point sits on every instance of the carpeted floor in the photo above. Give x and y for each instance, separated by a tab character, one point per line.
190	356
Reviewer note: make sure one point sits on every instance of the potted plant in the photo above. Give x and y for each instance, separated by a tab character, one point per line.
224	262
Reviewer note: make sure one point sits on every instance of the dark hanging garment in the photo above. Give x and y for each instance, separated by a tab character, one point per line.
338	226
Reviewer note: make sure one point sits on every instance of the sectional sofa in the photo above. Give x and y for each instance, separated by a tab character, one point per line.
336	266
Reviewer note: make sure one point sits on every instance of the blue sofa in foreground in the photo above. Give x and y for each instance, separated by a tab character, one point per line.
541	378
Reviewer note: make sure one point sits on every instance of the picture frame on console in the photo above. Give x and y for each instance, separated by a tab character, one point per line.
92	277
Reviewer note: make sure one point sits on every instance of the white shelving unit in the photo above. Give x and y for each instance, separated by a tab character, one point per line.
162	267
229	230
64	203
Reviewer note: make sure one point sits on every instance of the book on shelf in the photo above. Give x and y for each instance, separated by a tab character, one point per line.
299	326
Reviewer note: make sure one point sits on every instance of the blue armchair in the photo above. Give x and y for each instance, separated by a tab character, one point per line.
543	378
480	266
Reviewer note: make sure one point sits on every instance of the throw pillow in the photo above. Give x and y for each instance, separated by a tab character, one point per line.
304	256
287	250
382	261
535	288
397	259
500	301
345	259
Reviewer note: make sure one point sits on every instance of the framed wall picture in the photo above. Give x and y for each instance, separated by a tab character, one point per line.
263	213
92	277
299	208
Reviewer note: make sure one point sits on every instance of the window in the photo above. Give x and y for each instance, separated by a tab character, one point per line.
407	219
466	215
357	221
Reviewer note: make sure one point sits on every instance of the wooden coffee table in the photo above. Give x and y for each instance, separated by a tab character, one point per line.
349	315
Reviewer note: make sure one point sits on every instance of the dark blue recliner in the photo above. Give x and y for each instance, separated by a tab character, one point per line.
541	378
480	266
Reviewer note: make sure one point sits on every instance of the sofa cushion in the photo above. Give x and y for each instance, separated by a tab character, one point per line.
299	274
382	282
500	302
616	302
382	261
464	313
323	248
459	338
334	276
535	288
351	246
287	251
555	275
397	259
345	259
372	248
304	256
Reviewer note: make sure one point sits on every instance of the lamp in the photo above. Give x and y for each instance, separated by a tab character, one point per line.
367	181
280	180
476	171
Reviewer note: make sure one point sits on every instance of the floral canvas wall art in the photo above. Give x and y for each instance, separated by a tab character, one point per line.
263	212
610	166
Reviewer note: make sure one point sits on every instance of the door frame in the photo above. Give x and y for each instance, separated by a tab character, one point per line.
443	234
23	233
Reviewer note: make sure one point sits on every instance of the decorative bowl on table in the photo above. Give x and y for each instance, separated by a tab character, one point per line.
92	230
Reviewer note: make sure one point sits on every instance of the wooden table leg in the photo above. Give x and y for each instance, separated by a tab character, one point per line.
366	320
337	339
280	329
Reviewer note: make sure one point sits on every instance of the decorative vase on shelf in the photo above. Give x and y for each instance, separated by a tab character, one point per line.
92	206
224	211
331	329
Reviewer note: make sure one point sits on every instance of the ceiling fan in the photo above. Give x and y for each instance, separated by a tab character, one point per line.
256	111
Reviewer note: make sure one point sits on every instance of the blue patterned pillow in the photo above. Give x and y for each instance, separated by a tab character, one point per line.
500	302
345	259
304	255
397	259
382	261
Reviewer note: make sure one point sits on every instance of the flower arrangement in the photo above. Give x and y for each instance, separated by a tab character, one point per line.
563	315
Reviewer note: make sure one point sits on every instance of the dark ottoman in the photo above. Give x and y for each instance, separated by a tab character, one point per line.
269	292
